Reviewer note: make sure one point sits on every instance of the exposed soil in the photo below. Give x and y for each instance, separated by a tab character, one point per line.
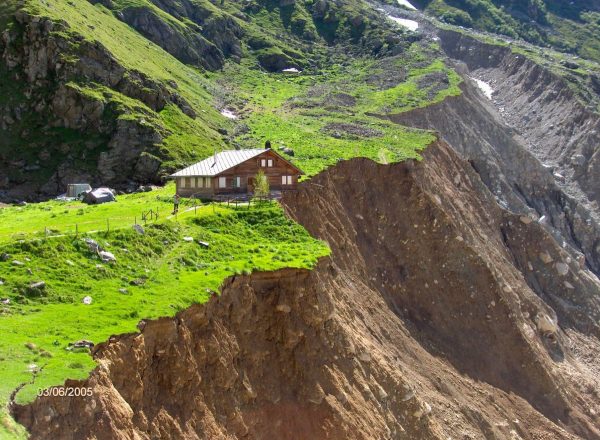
518	179
421	325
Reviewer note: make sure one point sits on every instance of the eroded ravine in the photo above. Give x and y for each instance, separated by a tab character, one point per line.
422	324
512	157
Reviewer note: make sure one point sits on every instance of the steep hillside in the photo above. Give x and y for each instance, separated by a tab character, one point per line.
377	342
119	92
569	26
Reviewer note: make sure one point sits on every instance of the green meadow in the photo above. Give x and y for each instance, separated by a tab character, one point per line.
155	274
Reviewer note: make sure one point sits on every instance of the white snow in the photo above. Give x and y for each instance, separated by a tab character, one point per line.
409	24
407	4
228	114
291	70
484	87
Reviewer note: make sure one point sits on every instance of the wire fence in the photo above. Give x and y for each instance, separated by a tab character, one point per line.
188	207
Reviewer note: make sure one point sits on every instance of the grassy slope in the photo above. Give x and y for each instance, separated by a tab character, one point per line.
190	138
290	110
240	240
295	111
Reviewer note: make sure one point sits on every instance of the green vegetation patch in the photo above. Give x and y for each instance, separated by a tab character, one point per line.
326	115
175	263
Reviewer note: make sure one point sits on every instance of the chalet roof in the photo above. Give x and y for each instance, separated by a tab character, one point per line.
224	161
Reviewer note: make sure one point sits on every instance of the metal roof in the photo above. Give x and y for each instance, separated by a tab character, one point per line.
224	161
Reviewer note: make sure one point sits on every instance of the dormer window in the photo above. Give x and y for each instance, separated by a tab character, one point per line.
266	163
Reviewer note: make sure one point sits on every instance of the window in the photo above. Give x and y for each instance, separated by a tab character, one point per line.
222	182
286	180
263	163
270	162
198	182
182	182
207	182
237	182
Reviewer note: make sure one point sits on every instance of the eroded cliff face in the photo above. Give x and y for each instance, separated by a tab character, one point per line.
434	318
534	144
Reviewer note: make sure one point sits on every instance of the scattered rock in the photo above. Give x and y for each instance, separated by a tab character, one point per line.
422	411
5	301
87	300
138	282
525	219
569	285
4	256
545	324
83	343
124	291
365	357
283	308
204	244
562	268
17	263
578	160
92	245
39	285
139	229
545	257
188	239
107	257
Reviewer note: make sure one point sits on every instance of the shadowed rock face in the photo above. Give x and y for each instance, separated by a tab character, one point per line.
529	165
424	323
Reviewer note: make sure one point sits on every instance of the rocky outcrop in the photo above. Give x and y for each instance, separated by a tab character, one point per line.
554	116
514	172
193	32
426	323
186	44
71	93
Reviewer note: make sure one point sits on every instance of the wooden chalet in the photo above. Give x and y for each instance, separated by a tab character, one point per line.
233	172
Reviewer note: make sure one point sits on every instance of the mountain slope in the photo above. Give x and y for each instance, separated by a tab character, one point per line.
569	26
377	342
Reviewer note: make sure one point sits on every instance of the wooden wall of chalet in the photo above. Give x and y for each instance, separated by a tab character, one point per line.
246	171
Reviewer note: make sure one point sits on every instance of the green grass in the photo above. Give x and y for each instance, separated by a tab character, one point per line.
241	241
186	137
60	217
299	111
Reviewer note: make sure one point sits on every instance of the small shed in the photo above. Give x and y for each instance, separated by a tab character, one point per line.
76	189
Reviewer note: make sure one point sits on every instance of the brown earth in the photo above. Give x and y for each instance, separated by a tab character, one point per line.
421	325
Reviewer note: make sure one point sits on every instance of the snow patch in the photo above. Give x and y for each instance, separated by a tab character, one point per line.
291	70
484	87
406	4
228	114
409	24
